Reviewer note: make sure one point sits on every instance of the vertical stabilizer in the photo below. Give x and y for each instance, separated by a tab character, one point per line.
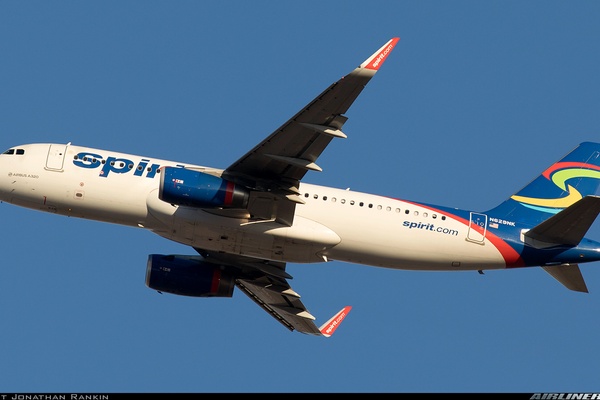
564	183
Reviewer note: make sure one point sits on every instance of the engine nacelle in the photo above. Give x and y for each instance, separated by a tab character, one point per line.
188	276
186	187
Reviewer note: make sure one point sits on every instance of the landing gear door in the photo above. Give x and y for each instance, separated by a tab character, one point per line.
56	157
477	228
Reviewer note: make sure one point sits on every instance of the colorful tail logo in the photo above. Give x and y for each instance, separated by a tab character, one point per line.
559	174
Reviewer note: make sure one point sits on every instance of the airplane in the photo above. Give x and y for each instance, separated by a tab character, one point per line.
247	221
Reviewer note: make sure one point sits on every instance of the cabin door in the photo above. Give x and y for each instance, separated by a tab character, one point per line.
477	228
56	157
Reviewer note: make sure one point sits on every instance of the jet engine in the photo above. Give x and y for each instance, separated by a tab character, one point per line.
186	187
188	276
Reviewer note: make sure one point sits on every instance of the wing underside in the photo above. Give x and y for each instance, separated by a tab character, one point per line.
276	165
281	302
266	283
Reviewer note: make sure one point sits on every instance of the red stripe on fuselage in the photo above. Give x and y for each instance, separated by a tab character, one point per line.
511	257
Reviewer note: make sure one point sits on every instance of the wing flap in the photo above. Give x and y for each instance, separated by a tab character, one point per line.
273	206
286	308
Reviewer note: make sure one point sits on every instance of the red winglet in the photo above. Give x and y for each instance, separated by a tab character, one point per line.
334	322
376	60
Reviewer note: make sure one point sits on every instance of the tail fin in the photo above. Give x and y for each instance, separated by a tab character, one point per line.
565	182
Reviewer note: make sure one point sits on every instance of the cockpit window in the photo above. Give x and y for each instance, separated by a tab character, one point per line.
10	152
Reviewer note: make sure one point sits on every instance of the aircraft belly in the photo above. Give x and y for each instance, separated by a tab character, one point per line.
418	257
268	240
393	243
302	242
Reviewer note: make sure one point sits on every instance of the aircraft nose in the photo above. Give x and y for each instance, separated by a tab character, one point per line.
4	178
6	175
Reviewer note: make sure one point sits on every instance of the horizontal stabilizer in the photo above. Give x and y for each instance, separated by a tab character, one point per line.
569	275
568	227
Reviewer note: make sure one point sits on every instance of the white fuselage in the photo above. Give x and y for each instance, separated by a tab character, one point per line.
333	224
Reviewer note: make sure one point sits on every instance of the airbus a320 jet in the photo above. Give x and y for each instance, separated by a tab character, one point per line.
247	221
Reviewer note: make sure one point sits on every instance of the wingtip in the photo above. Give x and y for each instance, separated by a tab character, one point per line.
334	322
376	60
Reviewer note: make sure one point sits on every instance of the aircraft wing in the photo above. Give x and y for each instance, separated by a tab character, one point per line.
273	170
265	282
276	165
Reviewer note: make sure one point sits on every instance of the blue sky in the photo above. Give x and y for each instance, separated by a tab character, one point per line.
475	101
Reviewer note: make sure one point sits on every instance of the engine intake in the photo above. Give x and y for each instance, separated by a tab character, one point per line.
186	187
188	276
